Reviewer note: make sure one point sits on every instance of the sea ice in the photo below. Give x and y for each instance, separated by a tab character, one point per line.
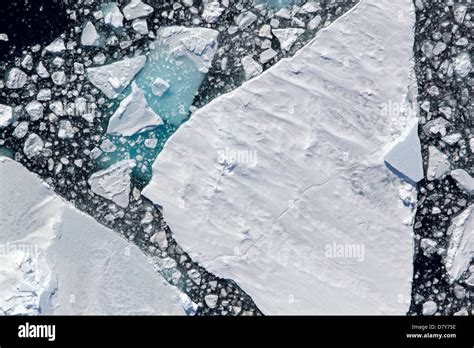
112	79
133	115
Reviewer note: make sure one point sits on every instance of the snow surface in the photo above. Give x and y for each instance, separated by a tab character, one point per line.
56	260
271	184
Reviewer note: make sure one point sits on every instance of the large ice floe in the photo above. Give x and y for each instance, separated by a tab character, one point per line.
56	260
281	185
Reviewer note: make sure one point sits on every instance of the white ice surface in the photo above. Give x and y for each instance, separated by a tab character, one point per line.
265	183
461	246
69	264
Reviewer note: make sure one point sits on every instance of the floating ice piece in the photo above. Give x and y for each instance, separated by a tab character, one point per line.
287	37
16	78
6	115
114	182
245	20
42	71
113	78
112	15
3	37
464	180
462	64
133	115
33	145
21	130
310	7
159	87
59	78
438	164
212	11
251	67
57	46
90	36
65	130
136	9
267	55
405	156
35	110
140	26
198	44
461	245
429	308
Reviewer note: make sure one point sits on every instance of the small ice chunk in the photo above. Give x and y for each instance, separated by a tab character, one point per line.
464	180
44	94
3	37
429	308
267	55
212	11
112	15
133	115
287	37
59	78
90	36
35	109
438	164
265	31
140	26
159	87
160	239
211	300
462	64
245	20
310	7
112	79
33	146
57	46
21	130
6	115
136	9
315	22
114	182
65	130
251	67
41	71
16	78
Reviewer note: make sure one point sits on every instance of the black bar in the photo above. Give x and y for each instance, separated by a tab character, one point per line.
170	330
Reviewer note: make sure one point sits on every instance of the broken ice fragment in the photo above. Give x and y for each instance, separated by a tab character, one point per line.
267	55
90	36
133	115
159	87
461	245
251	67
464	180
212	11
405	155
211	300
287	37
438	164
21	130
136	9
198	44
112	79
246	19
16	78
57	46
65	130
33	145
6	115
59	78
140	26
3	37
114	182
429	308
112	15
41	71
462	64
35	109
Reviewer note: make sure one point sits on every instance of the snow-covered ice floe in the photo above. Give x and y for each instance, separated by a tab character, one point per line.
281	185
56	260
